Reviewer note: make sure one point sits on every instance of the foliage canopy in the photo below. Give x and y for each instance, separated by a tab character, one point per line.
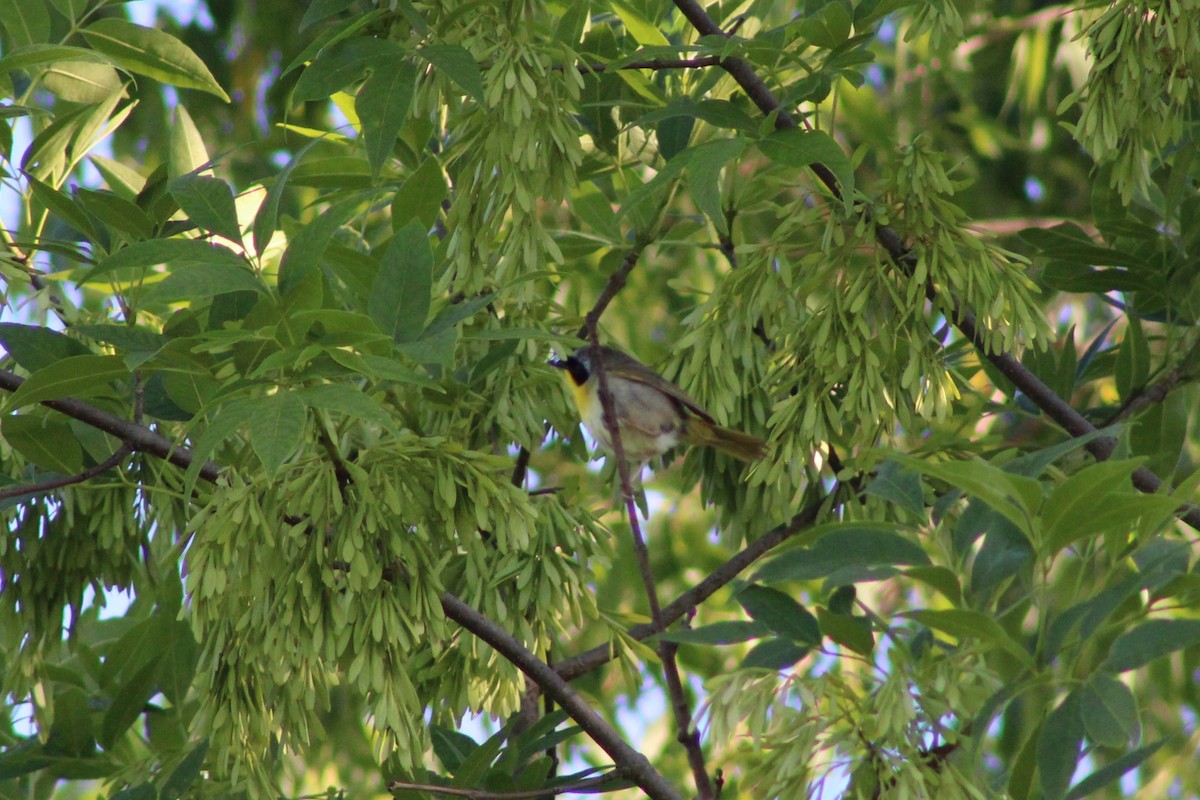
279	290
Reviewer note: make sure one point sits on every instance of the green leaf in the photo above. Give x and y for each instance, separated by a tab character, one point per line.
1112	771
645	32
341	64
76	375
129	702
27	57
65	207
727	632
898	485
116	212
27	22
780	613
153	53
384	368
345	399
321	9
458	65
34	347
842	545
204	280
72	733
941	579
1058	747
455	313
1014	496
704	176
187	152
277	428
1031	465
45	441
305	249
177	667
209	203
569	28
829	28
421	196
1083	504
1150	640
1005	552
267	218
451	747
221	426
798	148
382	105
1110	712
847	630
179	254
402	291
774	654
185	774
963	623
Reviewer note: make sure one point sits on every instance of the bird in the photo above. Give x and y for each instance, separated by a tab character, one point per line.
653	414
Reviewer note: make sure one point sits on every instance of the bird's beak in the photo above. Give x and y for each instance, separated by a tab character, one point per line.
557	363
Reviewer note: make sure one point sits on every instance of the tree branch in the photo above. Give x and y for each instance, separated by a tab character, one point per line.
1041	395
655	63
572	668
616	282
138	437
589	785
630	763
68	480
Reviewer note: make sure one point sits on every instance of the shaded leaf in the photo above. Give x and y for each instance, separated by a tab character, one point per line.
34	347
277	428
77	375
47	442
1110	712
402	291
844	545
774	654
780	613
208	201
382	105
1150	640
457	64
726	632
1058	747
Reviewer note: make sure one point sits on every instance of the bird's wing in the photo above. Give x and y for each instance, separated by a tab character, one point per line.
663	385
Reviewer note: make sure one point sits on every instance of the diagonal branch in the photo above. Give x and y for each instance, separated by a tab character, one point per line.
631	763
1038	392
572	668
51	484
138	437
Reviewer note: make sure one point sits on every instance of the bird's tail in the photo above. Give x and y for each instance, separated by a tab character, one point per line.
735	443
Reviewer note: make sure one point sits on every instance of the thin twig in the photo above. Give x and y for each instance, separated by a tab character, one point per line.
1041	395
138	437
655	63
616	282
1158	391
572	668
589	785
630	763
68	480
687	734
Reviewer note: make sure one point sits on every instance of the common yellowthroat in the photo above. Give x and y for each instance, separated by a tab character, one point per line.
654	414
